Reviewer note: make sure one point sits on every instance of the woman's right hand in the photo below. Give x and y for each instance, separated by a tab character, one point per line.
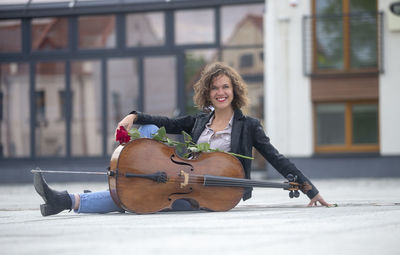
126	122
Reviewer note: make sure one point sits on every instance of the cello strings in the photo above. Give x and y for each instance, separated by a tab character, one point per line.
216	181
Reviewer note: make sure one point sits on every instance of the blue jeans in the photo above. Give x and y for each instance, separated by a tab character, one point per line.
101	202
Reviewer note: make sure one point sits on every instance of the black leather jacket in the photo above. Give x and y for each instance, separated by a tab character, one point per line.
247	133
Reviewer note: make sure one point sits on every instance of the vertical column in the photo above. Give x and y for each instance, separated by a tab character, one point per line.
141	83
68	108
26	37
32	107
104	106
169	29
120	32
180	78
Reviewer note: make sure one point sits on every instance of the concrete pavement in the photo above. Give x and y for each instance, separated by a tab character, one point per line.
367	221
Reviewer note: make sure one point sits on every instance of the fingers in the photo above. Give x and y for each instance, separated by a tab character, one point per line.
324	203
318	199
126	122
312	203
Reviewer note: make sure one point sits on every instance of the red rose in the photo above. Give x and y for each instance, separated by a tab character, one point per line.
122	135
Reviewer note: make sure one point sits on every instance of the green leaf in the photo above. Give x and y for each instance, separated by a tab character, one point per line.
134	133
188	147
186	137
193	149
160	135
203	147
241	156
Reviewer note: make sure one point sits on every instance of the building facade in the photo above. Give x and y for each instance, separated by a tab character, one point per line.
331	84
333	97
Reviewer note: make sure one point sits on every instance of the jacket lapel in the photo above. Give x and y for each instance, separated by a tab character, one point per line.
236	130
199	126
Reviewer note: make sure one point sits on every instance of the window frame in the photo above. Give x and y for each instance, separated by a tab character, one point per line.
347	68
348	146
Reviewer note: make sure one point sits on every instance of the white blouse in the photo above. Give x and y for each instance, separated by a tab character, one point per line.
217	140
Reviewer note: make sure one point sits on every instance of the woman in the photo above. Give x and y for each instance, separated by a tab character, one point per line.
220	94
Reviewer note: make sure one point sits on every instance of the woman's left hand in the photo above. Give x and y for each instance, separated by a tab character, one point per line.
318	199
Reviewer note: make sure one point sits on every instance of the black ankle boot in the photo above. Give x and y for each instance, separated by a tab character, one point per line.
55	201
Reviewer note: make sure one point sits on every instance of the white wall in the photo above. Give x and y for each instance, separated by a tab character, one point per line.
288	109
389	87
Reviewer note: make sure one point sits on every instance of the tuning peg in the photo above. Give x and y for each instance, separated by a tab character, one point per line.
291	177
291	194
296	193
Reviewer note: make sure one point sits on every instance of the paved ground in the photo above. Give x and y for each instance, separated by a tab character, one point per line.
367	221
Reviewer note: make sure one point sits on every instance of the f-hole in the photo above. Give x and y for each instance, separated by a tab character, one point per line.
180	163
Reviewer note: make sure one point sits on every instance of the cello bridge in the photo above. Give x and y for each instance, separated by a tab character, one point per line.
185	179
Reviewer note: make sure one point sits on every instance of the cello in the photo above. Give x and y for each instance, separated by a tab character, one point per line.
147	176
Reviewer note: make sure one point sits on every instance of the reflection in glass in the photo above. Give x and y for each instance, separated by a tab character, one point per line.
357	6
330	124
329	34
160	86
242	24
14	110
145	29
49	33
248	61
50	116
86	131
250	65
122	95
363	34
195	61
194	26
365	123
96	31
10	34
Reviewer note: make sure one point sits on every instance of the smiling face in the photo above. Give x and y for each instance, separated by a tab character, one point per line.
221	92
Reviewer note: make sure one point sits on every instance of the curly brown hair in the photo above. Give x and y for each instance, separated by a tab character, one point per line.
202	88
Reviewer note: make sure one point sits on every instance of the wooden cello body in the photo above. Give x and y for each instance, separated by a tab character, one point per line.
147	176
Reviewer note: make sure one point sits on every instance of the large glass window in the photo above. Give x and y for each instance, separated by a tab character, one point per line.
122	95
96	32
194	26
86	128
347	127
145	29
67	99
49	33
10	34
50	132
14	110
